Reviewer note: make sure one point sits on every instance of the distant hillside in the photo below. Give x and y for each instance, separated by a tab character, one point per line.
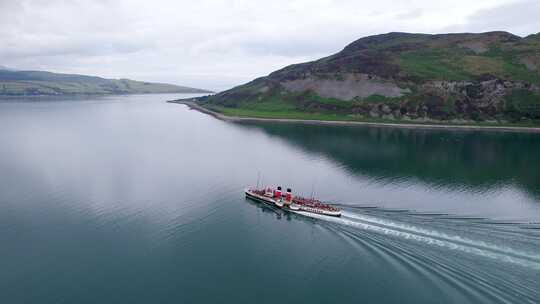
5	68
17	83
492	77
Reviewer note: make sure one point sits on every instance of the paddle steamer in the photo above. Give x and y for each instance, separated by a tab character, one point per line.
291	203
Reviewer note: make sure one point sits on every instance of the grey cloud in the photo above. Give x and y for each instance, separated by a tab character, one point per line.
520	18
415	13
220	43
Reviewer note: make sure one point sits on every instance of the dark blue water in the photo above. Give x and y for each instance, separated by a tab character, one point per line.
131	199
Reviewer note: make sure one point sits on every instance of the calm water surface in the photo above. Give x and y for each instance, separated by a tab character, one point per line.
130	199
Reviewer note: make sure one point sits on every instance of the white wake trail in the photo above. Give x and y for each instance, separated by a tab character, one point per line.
432	237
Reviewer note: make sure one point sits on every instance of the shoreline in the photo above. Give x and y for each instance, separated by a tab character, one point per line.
194	106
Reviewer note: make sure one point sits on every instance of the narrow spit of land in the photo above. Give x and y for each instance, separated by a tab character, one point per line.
221	116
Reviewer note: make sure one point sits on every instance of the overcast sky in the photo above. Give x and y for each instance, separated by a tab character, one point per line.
217	44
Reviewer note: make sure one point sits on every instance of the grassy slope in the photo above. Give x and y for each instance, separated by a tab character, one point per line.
454	61
46	83
302	115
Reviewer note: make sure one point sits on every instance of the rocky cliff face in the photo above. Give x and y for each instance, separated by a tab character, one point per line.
491	77
492	100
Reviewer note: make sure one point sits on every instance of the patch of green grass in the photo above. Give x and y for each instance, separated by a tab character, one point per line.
292	114
454	65
512	68
289	102
268	106
479	65
432	64
330	101
238	112
518	71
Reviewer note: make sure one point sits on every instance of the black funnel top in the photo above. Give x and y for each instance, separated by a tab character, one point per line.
279	188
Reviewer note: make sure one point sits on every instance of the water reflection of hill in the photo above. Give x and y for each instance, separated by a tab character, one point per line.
450	158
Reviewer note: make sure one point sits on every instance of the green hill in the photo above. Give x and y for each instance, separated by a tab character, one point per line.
488	77
23	83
